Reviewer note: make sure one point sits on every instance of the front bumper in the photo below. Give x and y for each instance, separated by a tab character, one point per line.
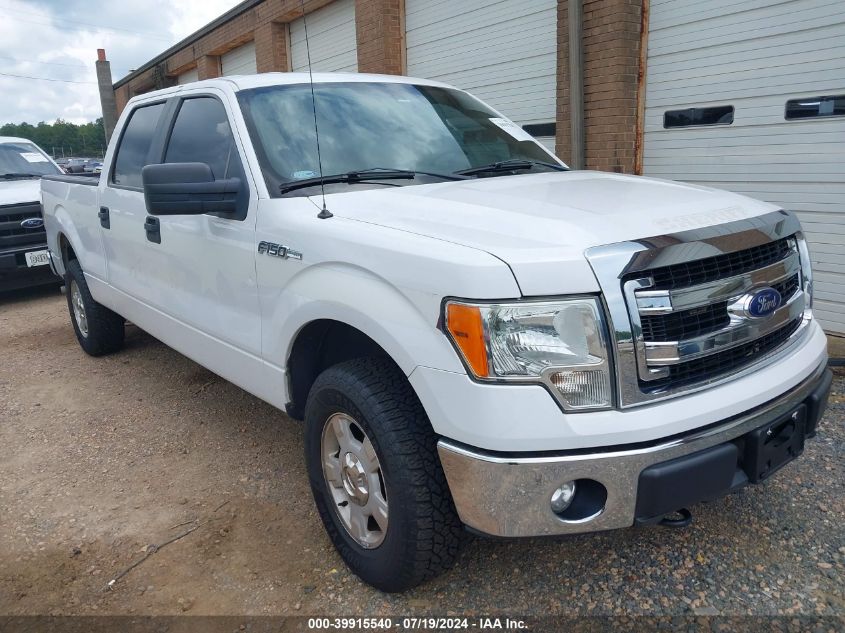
14	273
508	495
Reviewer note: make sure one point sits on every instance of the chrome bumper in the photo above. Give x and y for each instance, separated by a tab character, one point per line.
509	496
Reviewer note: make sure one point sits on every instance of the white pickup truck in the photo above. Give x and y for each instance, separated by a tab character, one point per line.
474	335
23	253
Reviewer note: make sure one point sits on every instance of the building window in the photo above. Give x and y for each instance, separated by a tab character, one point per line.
688	117
815	107
540	129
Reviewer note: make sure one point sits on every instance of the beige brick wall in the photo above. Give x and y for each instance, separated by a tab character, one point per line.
563	141
610	50
208	66
271	47
611	68
380	31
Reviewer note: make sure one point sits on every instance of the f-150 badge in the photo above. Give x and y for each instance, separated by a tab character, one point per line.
277	250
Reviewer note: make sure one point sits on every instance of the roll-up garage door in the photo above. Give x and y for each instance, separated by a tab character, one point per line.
504	52
239	61
750	96
188	77
331	34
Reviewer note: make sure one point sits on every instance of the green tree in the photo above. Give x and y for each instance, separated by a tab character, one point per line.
86	139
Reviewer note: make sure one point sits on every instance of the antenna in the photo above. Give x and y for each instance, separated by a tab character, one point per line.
324	213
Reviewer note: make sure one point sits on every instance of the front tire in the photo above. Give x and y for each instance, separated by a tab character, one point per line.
98	330
376	477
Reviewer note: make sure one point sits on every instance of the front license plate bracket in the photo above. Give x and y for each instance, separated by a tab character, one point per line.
771	447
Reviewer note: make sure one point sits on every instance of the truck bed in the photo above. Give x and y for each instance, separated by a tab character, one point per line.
91	180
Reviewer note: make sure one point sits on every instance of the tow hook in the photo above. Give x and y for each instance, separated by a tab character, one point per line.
678	519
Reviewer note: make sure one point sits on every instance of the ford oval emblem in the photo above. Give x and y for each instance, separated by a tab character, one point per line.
762	302
32	223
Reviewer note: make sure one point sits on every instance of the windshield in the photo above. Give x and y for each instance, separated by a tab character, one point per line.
377	125
24	158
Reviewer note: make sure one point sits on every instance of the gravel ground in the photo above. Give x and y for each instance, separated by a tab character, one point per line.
103	457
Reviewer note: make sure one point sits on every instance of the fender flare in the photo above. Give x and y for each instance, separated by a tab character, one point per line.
397	324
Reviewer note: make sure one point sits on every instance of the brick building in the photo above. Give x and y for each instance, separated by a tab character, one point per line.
745	96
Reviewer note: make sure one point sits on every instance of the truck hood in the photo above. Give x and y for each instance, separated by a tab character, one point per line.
541	224
18	191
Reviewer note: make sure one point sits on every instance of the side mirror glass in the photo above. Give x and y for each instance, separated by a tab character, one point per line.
187	189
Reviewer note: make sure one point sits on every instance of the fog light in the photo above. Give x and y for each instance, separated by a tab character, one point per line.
562	497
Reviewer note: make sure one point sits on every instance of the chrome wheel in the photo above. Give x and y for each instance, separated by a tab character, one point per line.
78	309
355	480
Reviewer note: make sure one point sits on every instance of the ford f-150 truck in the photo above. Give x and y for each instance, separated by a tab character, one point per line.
474	335
23	243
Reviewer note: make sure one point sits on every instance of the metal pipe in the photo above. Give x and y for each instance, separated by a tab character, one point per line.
576	82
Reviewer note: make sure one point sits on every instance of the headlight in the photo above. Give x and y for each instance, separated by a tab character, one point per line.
561	344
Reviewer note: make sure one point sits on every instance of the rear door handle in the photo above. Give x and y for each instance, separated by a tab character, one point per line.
153	229
105	221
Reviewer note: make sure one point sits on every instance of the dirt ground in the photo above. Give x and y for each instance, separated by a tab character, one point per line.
100	459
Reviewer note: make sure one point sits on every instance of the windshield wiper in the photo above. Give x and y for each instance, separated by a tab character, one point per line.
11	175
364	175
513	164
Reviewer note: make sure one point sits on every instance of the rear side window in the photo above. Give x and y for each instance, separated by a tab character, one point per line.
815	107
135	144
714	115
202	134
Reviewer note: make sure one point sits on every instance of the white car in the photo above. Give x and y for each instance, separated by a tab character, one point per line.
23	242
474	335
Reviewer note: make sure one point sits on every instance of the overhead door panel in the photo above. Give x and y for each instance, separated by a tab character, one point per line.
755	56
504	52
332	39
188	77
239	61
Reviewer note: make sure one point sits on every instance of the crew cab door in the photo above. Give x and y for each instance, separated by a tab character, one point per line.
196	272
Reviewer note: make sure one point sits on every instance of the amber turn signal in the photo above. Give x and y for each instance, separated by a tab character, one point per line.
467	331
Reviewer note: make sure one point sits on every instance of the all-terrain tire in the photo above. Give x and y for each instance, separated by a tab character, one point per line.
424	531
103	330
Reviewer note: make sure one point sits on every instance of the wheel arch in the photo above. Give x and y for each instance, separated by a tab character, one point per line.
320	344
66	249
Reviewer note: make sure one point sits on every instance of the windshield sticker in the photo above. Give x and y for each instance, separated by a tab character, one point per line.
33	157
512	128
301	175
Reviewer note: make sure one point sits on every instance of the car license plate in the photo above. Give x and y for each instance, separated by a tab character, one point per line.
37	258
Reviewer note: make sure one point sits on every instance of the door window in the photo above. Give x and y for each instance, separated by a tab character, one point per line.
202	134
134	148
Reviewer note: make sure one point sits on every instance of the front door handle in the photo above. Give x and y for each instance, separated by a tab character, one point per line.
103	214
153	229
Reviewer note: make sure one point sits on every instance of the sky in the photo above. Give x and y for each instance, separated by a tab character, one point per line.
58	40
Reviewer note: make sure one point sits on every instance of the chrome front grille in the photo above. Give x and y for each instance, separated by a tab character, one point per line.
719	267
724	324
679	304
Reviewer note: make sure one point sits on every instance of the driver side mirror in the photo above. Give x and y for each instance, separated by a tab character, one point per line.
187	189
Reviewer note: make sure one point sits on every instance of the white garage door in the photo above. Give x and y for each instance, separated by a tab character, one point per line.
504	52
239	61
331	34
756	56
188	77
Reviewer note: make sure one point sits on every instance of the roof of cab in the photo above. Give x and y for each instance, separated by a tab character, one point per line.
245	82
